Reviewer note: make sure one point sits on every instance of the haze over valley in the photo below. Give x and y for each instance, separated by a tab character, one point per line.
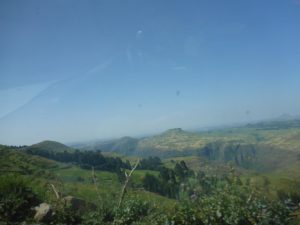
134	112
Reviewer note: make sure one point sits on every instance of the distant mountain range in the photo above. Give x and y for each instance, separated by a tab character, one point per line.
264	146
180	140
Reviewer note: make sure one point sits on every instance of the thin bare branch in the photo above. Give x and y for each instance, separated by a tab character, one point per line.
96	186
126	183
55	191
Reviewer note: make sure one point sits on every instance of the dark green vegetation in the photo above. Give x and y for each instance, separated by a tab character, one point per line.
247	175
50	146
84	159
16	198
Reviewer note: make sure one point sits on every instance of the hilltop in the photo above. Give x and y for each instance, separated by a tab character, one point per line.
50	146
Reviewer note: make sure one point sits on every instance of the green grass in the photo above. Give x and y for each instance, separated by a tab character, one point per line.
72	180
16	161
78	182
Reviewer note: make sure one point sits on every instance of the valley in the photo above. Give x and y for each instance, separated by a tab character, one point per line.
256	158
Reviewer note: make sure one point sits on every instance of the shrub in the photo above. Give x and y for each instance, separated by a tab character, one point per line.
98	217
131	211
184	214
16	199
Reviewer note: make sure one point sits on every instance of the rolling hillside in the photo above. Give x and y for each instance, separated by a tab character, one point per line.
265	146
69	178
281	134
103	188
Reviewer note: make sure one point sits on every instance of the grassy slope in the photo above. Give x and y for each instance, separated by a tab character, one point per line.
13	160
72	180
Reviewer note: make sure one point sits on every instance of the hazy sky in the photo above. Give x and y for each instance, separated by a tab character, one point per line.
79	70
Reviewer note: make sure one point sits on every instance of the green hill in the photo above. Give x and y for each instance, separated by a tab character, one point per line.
104	188
264	146
70	179
280	134
51	146
12	160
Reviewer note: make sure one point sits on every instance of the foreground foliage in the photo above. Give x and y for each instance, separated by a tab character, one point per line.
202	200
16	199
194	198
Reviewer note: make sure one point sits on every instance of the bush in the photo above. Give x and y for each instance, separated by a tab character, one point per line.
131	211
16	199
185	214
229	202
98	217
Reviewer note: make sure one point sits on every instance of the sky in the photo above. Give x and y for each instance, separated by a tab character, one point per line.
98	69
